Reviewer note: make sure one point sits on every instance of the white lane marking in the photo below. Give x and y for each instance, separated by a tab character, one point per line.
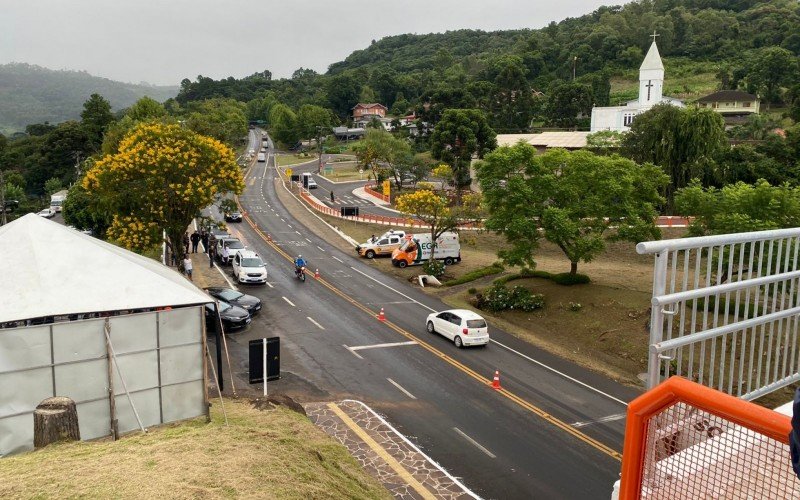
401	388
475	443
269	284
583	384
394	290
308	240
573	379
354	353
610	418
336	258
318	325
320	248
377	346
290	226
289	302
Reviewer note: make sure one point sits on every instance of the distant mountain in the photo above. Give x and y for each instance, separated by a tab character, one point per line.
32	94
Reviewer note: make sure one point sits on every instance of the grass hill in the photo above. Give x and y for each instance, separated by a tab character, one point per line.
32	94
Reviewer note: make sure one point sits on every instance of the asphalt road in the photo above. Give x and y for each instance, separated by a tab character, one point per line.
548	436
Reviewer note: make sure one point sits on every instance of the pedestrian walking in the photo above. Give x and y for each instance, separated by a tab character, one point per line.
333	199
186	242
187	267
204	239
195	238
211	253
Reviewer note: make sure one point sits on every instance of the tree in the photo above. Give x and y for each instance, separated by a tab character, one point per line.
146	109
678	140
162	176
85	211
60	155
52	185
313	120
511	103
382	153
575	200
95	117
343	91
568	101
767	69
222	119
283	124
459	135
739	207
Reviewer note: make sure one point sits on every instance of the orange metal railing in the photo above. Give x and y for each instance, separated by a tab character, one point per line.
686	441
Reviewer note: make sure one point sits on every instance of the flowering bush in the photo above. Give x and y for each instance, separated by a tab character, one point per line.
434	268
500	298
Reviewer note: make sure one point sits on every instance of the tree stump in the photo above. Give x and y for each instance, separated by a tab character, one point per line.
54	420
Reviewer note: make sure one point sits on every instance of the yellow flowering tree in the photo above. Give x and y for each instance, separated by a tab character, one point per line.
159	178
430	208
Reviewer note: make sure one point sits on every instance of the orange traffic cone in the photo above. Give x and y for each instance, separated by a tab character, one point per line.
496	380
316	273
381	316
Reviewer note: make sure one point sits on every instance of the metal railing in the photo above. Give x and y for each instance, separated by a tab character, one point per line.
725	311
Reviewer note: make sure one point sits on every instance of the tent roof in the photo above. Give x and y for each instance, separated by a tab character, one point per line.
652	60
49	269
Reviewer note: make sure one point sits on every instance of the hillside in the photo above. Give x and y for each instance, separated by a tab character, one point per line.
32	94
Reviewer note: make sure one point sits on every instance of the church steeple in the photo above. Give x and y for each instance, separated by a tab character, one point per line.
651	76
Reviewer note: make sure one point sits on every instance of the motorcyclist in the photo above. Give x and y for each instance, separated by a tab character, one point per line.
299	264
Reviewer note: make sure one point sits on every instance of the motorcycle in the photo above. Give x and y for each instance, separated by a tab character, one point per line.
300	272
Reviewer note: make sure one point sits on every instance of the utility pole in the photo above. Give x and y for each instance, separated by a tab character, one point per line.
319	149
574	65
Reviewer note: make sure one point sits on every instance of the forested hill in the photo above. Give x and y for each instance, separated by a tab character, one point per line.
32	94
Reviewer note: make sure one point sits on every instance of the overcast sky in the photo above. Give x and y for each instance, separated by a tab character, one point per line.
164	41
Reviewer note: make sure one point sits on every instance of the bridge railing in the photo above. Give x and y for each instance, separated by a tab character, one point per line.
687	441
726	310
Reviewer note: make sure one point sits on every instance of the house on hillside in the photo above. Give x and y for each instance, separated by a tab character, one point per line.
734	105
651	87
547	140
365	113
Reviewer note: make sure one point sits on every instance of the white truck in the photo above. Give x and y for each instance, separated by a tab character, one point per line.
57	200
417	248
262	157
387	243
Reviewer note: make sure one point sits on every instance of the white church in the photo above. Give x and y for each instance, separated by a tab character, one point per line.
651	88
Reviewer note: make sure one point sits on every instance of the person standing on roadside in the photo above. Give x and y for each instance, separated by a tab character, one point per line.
195	241
187	267
204	239
211	253
186	242
333	198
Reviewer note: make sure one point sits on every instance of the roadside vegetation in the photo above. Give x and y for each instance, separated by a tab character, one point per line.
262	453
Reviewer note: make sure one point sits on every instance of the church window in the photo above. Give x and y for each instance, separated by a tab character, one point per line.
627	120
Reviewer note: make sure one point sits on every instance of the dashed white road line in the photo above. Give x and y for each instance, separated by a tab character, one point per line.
401	388
474	443
290	226
610	418
354	353
312	320
337	258
308	240
269	284
377	346
289	302
298	232
322	249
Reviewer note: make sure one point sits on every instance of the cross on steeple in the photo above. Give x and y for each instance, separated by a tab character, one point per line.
649	86
654	35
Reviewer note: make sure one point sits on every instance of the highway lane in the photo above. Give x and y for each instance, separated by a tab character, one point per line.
530	455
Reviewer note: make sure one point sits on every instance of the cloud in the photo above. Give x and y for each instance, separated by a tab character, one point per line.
164	41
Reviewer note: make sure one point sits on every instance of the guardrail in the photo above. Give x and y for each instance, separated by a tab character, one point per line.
369	189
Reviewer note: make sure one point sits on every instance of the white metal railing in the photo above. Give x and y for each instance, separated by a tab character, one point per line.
726	310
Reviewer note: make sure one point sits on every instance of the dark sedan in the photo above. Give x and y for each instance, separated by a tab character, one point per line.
233	317
233	217
235	298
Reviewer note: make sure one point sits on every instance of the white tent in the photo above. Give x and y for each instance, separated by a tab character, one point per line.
48	269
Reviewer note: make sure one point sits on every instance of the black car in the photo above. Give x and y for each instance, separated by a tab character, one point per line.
233	217
233	317
235	298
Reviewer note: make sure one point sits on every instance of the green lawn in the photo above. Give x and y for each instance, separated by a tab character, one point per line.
286	160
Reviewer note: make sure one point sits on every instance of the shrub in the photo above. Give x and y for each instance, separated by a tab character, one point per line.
568	279
499	298
477	274
472	291
575	306
525	273
434	268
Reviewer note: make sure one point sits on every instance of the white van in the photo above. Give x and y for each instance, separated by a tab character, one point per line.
262	157
249	268
308	181
417	248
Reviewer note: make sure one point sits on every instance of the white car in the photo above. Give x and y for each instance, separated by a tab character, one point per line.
46	213
462	326
249	268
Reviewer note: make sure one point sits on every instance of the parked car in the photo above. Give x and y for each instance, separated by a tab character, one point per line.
233	216
232	244
236	298
47	213
462	326
385	245
233	317
247	267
